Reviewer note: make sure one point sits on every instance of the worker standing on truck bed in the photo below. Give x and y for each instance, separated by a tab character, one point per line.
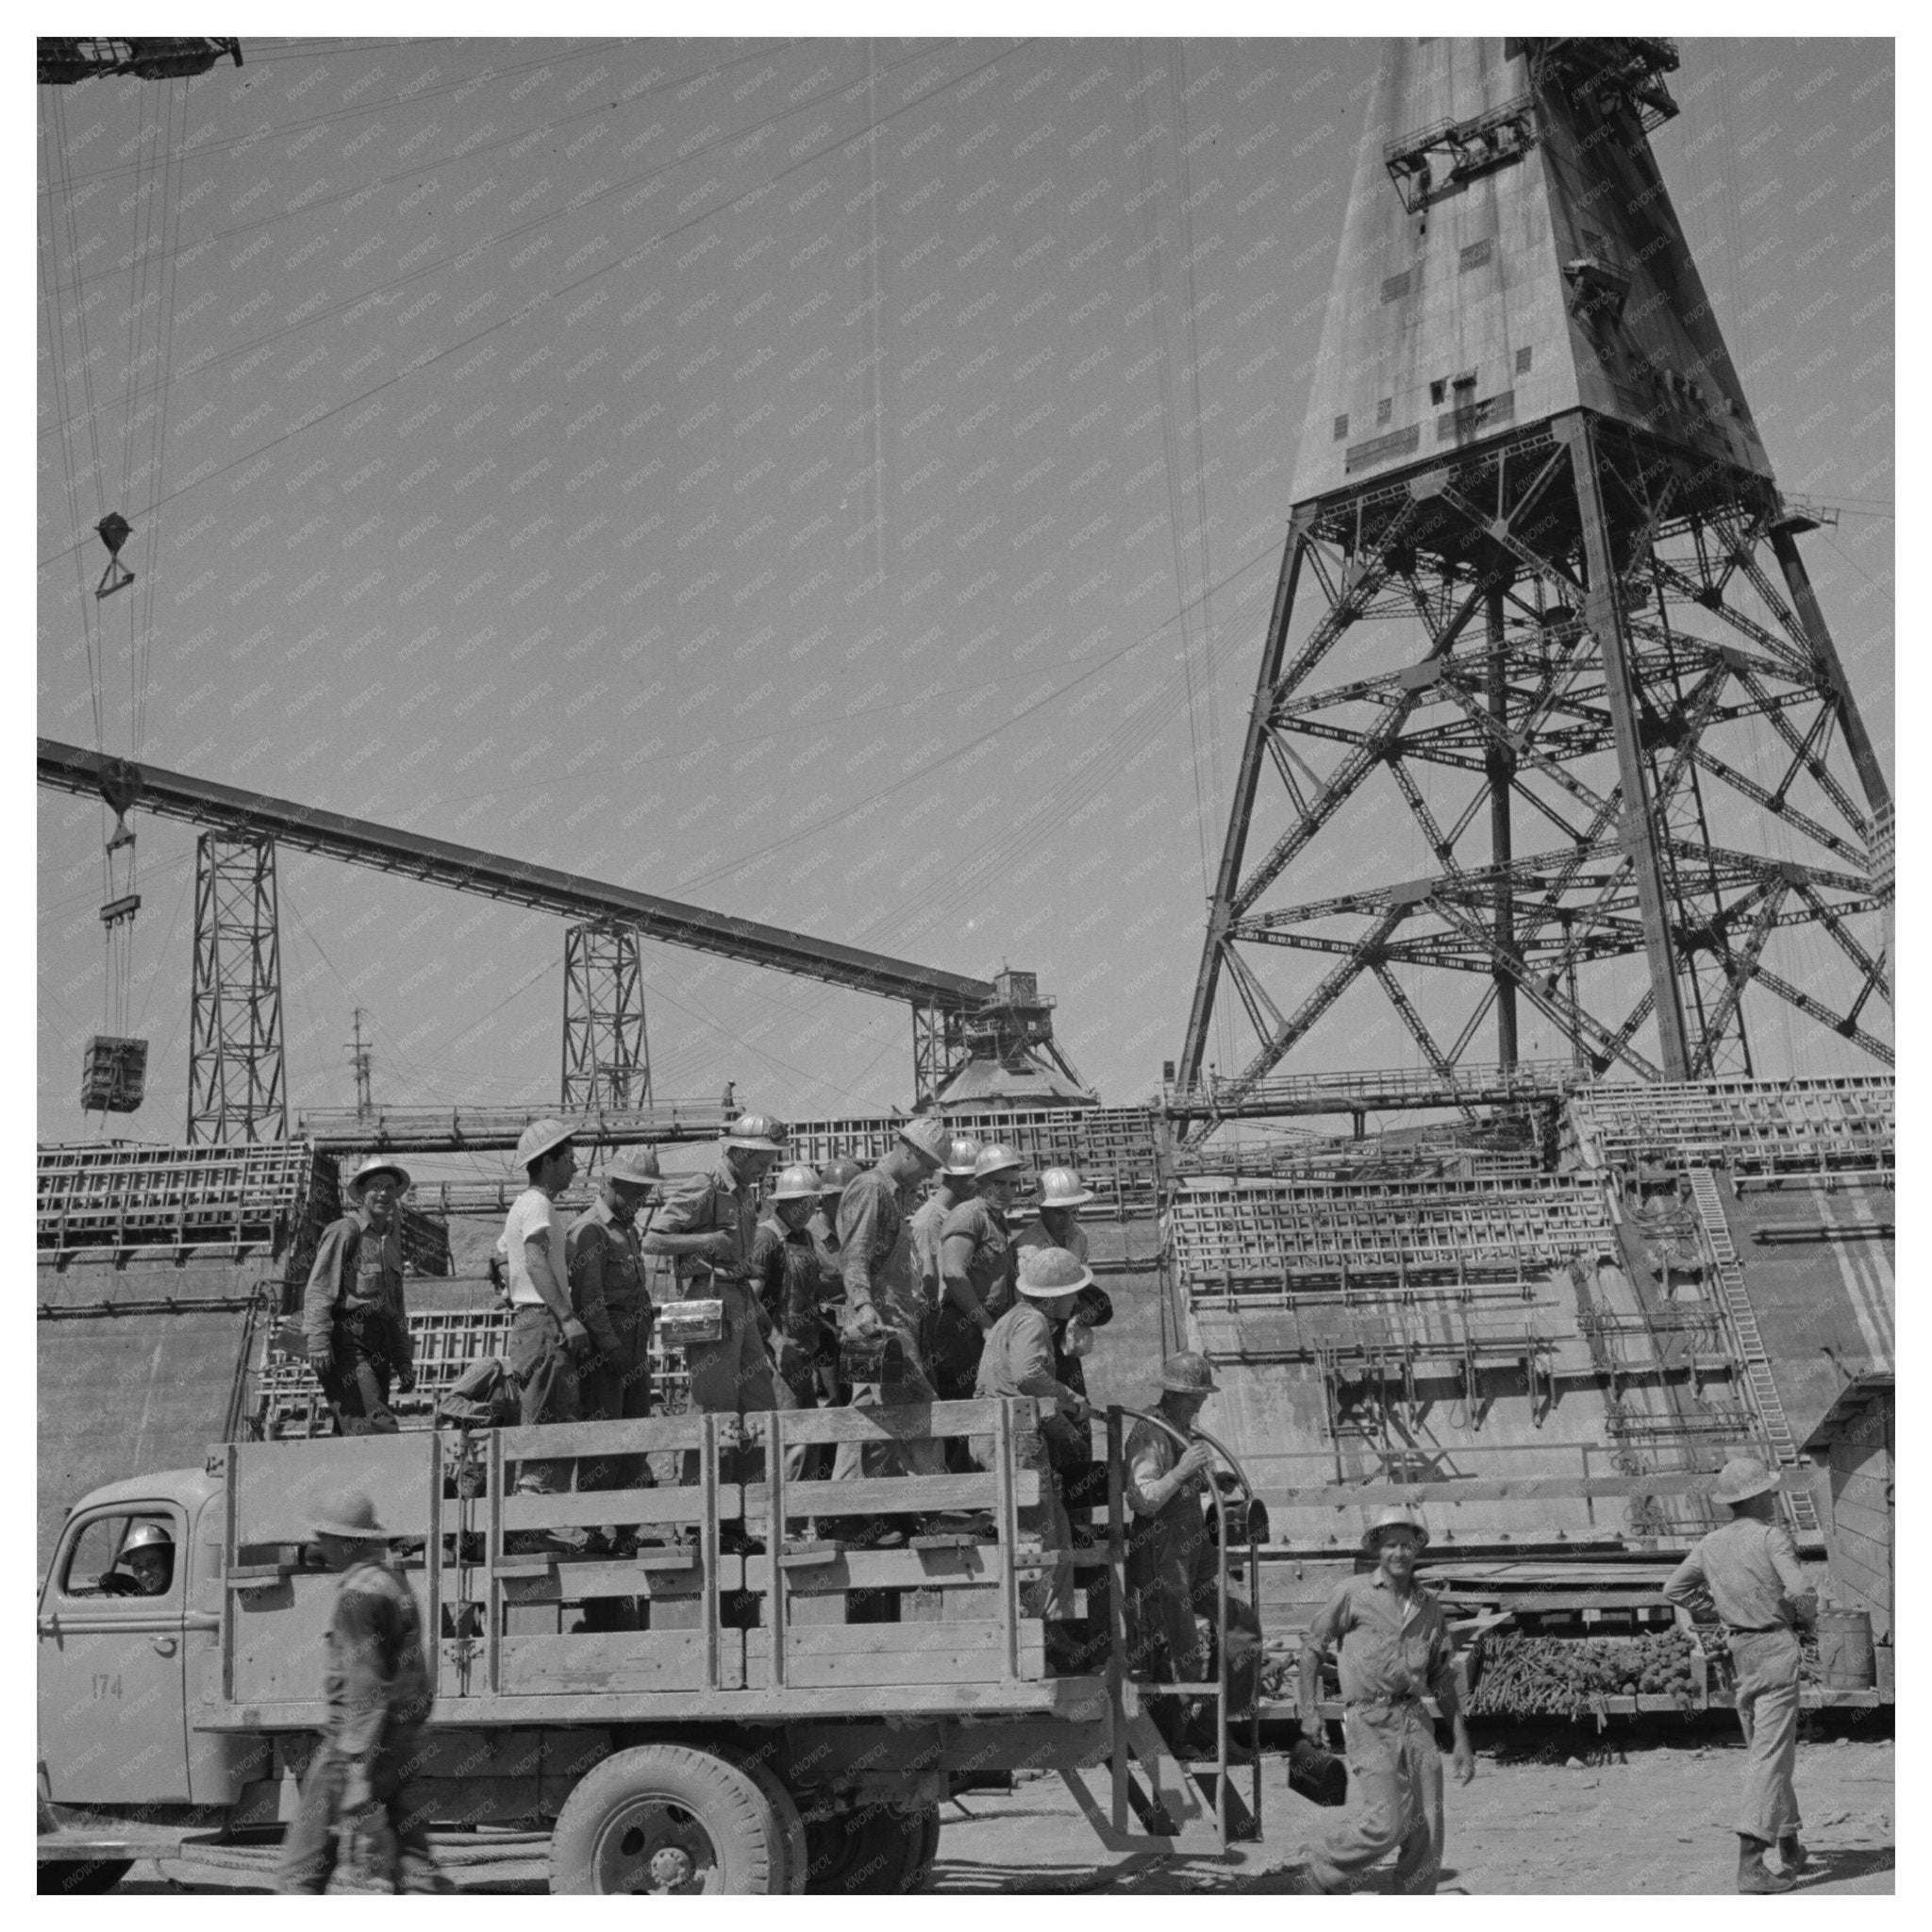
708	1227
353	1320
1062	1194
359	1776
977	1267
786	1273
606	1288
1018	1360
834	1179
1748	1570
953	1187
1394	1647
885	1307
548	1344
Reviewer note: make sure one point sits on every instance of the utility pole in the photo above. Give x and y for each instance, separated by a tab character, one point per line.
359	1051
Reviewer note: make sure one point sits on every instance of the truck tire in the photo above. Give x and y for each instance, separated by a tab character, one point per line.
80	1877
664	1818
872	1851
797	1859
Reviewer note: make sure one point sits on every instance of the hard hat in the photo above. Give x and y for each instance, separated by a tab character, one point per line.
541	1138
1187	1373
797	1182
375	1165
930	1135
997	1157
759	1132
1396	1516
1742	1477
1059	1187
837	1176
350	1515
962	1157
149	1536
636	1167
1048	1272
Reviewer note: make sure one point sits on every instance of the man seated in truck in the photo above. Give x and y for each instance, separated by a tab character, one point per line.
149	1554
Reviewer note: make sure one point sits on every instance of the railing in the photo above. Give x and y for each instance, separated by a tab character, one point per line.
484	1130
1386	1090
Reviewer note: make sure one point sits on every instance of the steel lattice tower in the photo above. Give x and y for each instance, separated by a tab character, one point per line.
606	1055
235	1081
1589	709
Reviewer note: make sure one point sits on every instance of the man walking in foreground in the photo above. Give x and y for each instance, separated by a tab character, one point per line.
1395	1647
1748	1570
358	1780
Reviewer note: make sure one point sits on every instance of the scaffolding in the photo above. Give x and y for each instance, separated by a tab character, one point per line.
235	1080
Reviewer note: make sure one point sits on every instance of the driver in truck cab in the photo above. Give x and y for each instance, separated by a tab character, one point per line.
149	1554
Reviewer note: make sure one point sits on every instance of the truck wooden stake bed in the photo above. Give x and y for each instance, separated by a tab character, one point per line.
747	1711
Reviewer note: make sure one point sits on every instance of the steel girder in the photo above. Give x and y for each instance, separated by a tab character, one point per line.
1654	705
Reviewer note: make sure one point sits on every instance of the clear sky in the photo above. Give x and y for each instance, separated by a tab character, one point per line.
837	482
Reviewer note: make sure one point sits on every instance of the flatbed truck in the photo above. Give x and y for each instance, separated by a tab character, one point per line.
786	1715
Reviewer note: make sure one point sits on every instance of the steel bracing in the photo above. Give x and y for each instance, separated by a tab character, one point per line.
1604	695
235	1084
607	1053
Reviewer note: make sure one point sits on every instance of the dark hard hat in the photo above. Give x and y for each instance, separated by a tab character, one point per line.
838	1174
1187	1373
350	1515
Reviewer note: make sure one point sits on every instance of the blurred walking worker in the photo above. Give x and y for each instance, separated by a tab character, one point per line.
1395	1648
1747	1571
353	1324
361	1775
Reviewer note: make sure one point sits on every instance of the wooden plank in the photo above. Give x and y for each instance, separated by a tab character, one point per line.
881	1570
878	1495
600	1439
879	1424
935	1664
591	1507
1504	1489
568	1582
862	1640
970	1606
611	1661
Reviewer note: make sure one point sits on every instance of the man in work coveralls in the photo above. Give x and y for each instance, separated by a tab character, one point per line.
953	1187
1395	1647
708	1227
1748	1570
607	1291
787	1275
378	1689
1171	1563
885	1301
354	1324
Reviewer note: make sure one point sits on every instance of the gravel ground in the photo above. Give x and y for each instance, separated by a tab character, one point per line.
1555	1809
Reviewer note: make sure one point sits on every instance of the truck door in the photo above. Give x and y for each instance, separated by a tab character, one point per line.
113	1711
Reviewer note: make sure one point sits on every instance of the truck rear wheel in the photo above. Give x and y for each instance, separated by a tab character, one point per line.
666	1818
80	1877
873	1851
796	1860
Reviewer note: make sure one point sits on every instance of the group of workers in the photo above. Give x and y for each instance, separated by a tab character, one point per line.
845	1290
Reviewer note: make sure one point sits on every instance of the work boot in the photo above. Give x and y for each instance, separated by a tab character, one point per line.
1792	1855
1754	1875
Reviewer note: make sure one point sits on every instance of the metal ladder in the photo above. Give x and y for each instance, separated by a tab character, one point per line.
1759	1379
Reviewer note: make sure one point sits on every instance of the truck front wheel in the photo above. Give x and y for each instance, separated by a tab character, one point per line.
666	1818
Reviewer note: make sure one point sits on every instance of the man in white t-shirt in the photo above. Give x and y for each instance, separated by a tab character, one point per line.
547	1342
